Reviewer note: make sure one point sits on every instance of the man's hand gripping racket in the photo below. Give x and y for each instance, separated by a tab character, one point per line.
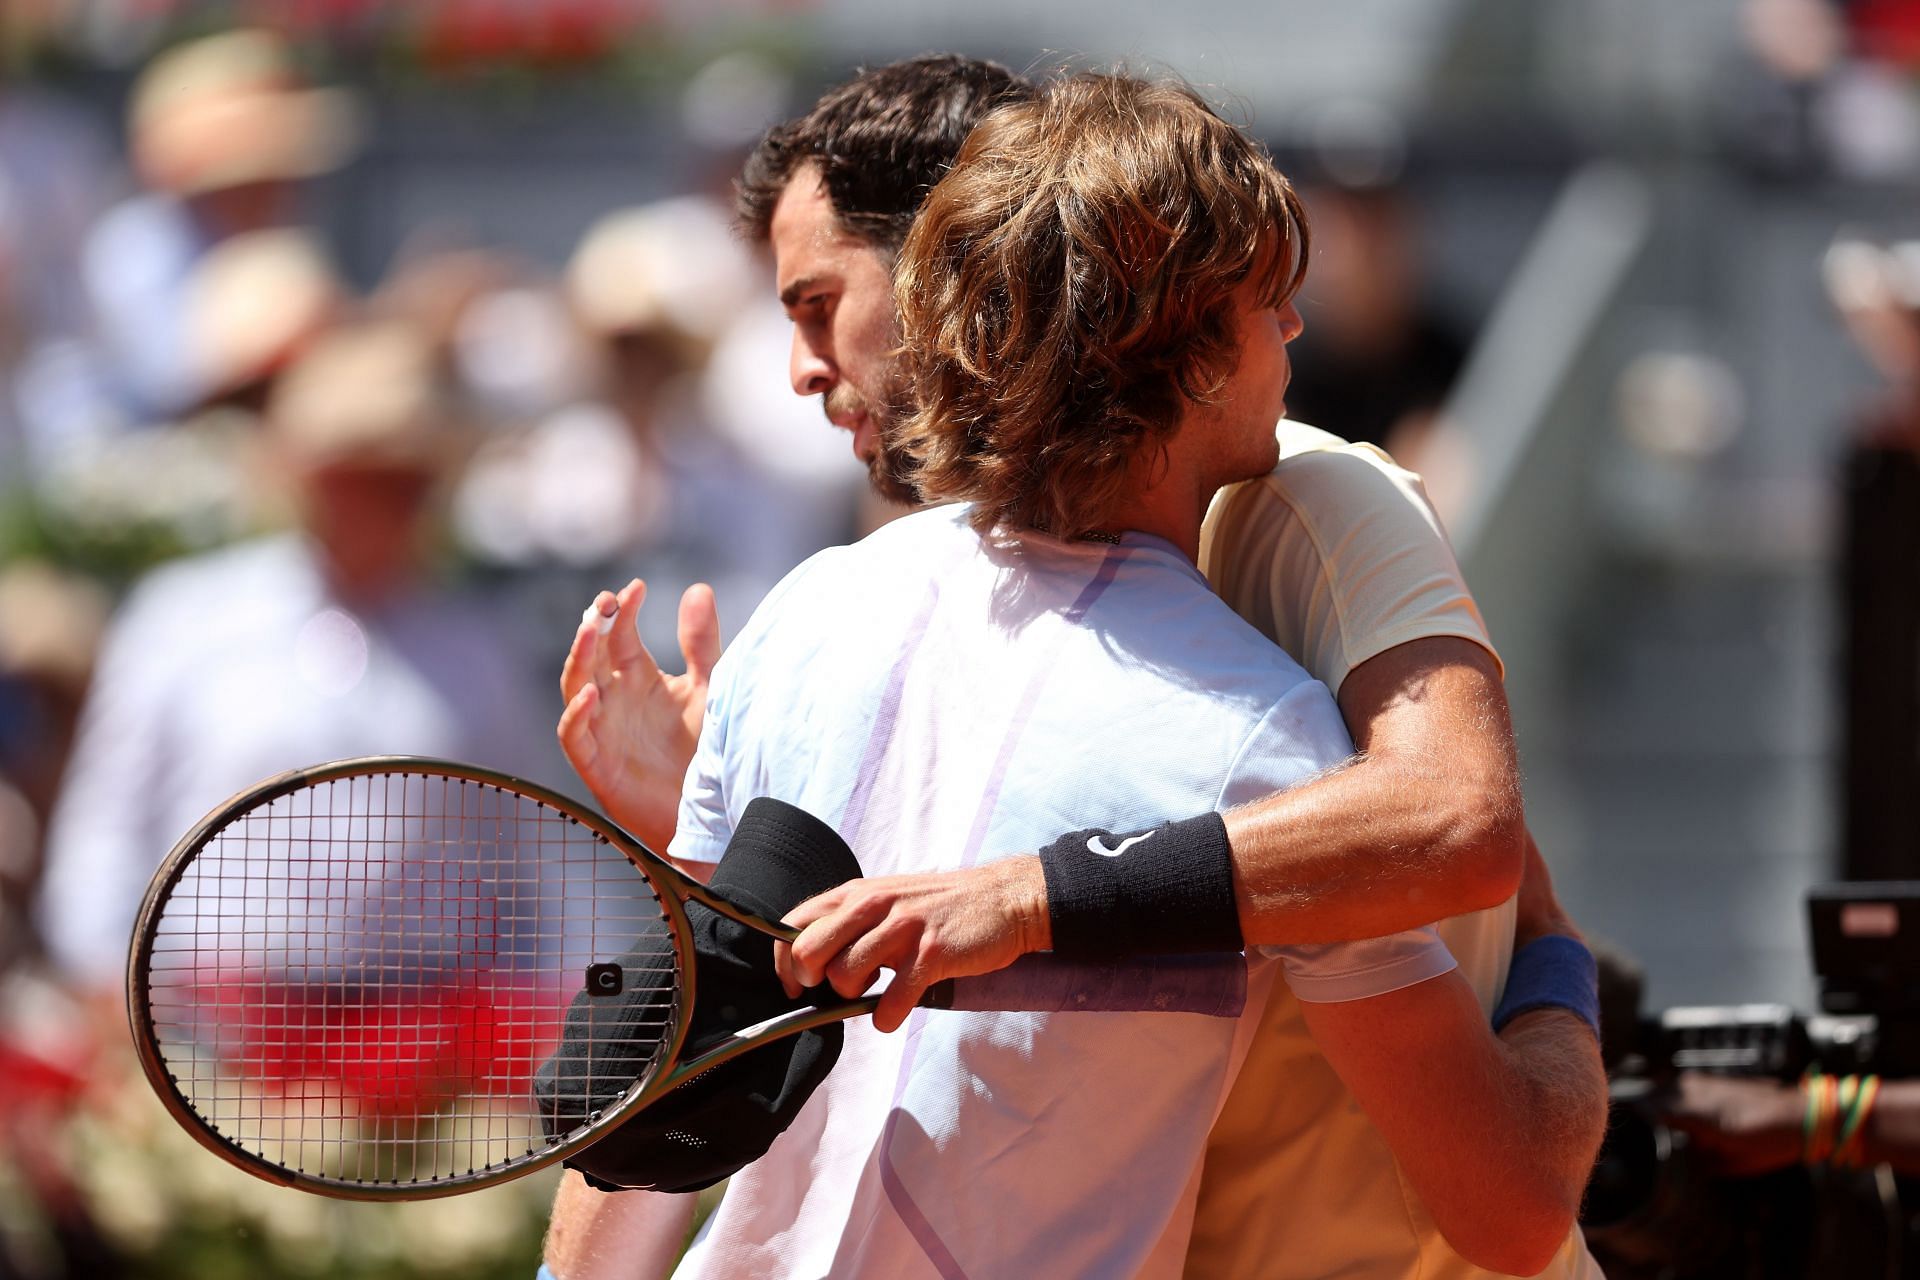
393	978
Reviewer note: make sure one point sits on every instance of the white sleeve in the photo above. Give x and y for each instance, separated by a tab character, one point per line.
1301	735
1335	972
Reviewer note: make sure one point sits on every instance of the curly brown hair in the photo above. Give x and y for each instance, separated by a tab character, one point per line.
1066	293
879	141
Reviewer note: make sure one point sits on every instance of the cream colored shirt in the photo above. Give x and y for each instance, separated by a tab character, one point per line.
1336	556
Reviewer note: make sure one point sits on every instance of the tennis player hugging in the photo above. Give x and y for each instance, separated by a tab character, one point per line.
1094	304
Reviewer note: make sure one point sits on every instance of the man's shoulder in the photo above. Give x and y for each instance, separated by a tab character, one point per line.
1307	452
1163	618
1176	656
1320	483
918	529
1303	440
831	589
906	547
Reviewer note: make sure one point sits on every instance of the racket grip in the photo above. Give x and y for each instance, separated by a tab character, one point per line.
1214	986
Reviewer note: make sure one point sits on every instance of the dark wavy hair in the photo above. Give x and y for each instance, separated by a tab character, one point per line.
880	142
1067	293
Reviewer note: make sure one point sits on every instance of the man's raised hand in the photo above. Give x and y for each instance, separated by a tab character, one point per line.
629	730
925	928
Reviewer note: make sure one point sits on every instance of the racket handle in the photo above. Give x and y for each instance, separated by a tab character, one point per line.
1212	985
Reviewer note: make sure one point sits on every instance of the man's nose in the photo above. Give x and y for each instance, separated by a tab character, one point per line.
1291	325
811	370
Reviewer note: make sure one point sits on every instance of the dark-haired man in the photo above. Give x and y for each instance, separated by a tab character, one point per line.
813	238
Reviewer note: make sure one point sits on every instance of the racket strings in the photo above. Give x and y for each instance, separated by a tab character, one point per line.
359	980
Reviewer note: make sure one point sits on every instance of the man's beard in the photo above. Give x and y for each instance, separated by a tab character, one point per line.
889	470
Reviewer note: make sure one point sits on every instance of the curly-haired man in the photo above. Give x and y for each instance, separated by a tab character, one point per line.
1096	304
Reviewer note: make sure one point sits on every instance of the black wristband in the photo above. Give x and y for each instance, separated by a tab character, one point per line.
1167	891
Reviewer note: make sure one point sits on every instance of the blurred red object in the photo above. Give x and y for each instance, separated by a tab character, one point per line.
458	35
28	1080
384	1052
1887	30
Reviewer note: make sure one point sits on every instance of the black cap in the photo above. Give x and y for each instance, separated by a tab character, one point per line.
725	1118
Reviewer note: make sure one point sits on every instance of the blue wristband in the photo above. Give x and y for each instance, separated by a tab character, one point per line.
1551	972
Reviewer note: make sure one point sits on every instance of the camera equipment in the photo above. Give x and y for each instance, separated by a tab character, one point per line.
1654	1205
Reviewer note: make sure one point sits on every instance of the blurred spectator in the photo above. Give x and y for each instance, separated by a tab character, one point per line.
222	133
634	480
1877	292
1376	360
50	625
121	502
56	175
252	306
432	287
324	643
1820	87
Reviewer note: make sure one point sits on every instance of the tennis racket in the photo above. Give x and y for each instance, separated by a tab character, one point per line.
345	978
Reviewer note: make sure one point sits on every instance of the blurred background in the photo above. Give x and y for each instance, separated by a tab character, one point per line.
347	348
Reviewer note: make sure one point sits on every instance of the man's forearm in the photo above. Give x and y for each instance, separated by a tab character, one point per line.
1544	1125
1372	848
1751	1127
1424	823
1303	871
1496	1135
1893	1129
1559	1109
635	1235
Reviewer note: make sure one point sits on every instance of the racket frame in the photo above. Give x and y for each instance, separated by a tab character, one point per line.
672	887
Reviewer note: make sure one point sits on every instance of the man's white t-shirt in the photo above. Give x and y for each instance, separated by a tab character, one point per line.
943	699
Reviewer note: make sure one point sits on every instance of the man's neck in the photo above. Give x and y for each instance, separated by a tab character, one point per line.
1169	505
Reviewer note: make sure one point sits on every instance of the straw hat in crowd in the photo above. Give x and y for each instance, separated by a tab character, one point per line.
229	111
